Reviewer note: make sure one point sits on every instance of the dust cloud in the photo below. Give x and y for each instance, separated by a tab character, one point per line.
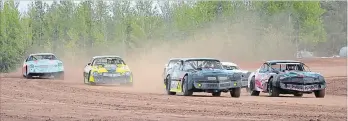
241	39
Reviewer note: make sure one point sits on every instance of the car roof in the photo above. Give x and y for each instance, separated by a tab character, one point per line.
42	54
174	59
106	56
283	61
229	64
192	59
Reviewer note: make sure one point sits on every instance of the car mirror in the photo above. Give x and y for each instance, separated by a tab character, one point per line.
88	64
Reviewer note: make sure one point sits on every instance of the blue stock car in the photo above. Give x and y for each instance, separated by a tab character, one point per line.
190	75
43	65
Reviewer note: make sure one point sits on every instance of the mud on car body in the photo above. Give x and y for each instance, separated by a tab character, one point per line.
286	77
190	75
43	65
107	70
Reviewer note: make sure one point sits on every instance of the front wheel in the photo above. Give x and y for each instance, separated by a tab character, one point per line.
235	92
273	91
216	94
252	88
168	86
319	93
298	94
185	89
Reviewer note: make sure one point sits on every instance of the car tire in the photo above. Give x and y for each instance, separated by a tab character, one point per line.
216	94
90	83
252	86
185	89
28	75
298	94
85	78
273	90
319	93
235	92
168	86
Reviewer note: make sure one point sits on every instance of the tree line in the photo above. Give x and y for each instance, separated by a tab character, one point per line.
68	28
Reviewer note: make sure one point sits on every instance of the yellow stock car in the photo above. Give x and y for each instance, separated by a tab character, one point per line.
107	70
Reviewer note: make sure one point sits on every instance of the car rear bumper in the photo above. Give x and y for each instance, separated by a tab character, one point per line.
221	86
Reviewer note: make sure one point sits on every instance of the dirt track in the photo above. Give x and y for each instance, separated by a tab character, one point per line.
70	99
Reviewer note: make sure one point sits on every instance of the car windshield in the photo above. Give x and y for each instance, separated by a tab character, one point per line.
288	67
202	64
42	57
230	67
108	61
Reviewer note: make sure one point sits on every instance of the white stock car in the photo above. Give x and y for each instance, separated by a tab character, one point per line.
234	67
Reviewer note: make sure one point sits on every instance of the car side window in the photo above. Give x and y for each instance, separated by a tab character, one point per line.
93	62
187	66
263	68
28	59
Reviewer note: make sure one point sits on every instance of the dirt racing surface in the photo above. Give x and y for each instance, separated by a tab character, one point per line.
70	99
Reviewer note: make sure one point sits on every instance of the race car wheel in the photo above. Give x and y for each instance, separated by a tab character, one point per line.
85	78
252	86
273	90
185	89
235	92
319	93
91	83
28	75
216	94
168	86
298	94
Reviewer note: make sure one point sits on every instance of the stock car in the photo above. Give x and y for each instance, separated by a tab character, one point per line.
43	65
234	68
277	77
190	75
107	70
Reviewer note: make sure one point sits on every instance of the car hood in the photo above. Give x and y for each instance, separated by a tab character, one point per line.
301	74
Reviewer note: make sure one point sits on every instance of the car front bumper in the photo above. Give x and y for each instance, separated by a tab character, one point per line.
220	85
302	87
109	80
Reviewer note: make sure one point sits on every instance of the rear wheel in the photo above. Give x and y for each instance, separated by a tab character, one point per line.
319	93
252	88
235	92
168	86
216	94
